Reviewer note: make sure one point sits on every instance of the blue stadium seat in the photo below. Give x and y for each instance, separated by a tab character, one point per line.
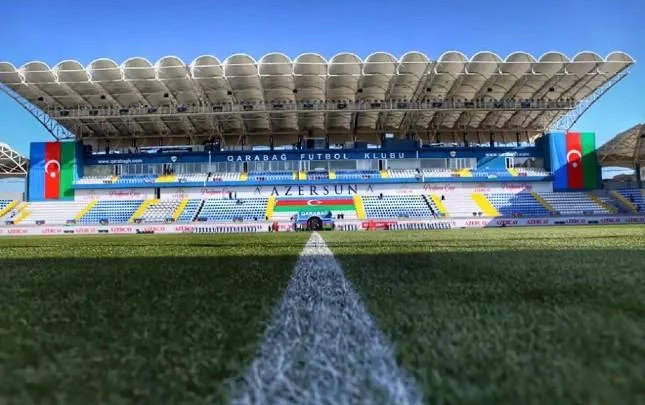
136	179
189	212
573	203
635	197
357	174
4	203
270	176
113	211
491	174
517	204
246	209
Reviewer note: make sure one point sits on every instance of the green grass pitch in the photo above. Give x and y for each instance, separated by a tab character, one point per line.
535	315
135	319
539	315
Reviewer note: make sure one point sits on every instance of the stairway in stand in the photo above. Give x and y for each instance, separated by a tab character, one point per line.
436	209
486	207
460	205
192	211
436	203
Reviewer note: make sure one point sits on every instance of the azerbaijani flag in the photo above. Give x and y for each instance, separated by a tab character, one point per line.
314	204
51	171
574	160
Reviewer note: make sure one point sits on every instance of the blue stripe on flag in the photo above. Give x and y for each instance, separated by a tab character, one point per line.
36	190
558	149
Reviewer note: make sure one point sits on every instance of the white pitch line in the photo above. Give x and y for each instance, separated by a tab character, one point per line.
322	346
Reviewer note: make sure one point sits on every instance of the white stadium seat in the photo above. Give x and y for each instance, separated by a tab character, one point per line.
224	209
397	206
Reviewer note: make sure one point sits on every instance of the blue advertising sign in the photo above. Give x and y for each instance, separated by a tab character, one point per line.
296	155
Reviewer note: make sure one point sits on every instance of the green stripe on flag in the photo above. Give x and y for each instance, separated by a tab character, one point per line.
589	163
67	162
308	208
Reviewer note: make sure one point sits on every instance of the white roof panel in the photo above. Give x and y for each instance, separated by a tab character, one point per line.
250	93
626	149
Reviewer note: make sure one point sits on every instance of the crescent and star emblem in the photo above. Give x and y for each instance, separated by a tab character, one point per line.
574	156
52	173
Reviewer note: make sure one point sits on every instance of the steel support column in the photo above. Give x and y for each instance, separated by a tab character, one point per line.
567	121
52	126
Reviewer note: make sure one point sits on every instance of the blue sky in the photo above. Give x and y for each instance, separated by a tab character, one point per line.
52	31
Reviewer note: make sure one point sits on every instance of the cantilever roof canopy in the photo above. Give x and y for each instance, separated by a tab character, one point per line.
12	163
626	149
286	97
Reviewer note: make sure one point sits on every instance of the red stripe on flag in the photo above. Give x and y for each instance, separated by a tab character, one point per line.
574	160
52	170
314	202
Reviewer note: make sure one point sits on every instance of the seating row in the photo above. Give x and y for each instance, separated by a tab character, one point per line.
515	204
4	204
311	175
452	204
573	203
398	206
112	211
636	197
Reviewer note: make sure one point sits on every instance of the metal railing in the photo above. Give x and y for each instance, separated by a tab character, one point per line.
279	107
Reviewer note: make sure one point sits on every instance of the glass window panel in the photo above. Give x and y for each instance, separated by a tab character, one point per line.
318	164
402	163
343	165
434	163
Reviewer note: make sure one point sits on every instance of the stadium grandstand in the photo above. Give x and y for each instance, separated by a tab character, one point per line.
626	150
276	143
